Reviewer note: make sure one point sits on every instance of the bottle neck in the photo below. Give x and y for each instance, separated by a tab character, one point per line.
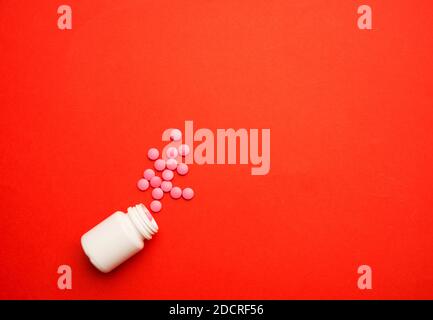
142	221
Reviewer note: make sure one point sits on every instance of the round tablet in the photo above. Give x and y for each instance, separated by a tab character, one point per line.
171	164
157	193
175	134
167	175
155	182
182	169
176	192
142	184
159	164
166	186
155	206
184	150
172	153
148	174
187	193
153	154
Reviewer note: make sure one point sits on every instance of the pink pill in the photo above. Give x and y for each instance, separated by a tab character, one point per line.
153	154
148	174
155	206
175	135
187	193
148	215
176	192
159	164
172	153
182	169
166	186
157	193
167	175
142	184
184	150
171	164
155	182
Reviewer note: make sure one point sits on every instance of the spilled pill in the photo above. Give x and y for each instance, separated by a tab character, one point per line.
175	134
162	183
187	193
184	150
155	206
166	186
157	193
182	169
171	164
153	154
148	174
159	164
155	182
176	192
142	184
172	153
167	175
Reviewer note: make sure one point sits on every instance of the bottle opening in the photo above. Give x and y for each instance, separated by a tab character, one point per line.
143	220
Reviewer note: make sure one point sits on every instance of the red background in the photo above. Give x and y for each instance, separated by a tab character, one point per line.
350	113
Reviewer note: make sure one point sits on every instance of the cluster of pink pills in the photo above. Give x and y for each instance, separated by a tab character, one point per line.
164	183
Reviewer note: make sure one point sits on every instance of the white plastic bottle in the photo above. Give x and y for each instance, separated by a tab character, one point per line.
118	237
